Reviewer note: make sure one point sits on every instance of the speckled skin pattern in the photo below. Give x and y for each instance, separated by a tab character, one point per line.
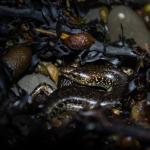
63	82
103	76
72	99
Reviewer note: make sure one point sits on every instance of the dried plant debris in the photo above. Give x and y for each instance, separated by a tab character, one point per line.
75	72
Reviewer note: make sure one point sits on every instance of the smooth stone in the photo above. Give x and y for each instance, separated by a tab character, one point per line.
31	81
133	26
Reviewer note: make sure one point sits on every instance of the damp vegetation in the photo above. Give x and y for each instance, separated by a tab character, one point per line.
75	72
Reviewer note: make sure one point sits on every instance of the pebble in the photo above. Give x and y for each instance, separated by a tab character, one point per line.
133	26
31	81
18	59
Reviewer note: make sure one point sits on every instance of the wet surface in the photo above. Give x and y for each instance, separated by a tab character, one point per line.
75	73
